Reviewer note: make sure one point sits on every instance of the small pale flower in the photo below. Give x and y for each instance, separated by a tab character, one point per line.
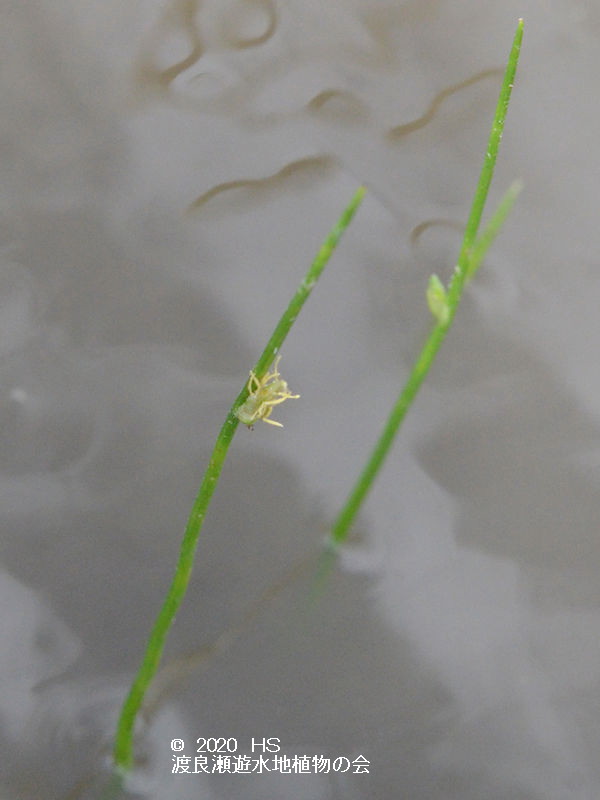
264	394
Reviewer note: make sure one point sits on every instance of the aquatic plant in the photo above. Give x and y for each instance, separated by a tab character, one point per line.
266	388
443	303
262	391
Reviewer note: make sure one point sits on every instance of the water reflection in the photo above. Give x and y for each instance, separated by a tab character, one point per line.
126	327
305	169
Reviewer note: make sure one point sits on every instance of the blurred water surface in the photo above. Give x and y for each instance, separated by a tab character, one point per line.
168	171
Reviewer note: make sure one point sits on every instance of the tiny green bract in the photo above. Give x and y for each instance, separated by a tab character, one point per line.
264	394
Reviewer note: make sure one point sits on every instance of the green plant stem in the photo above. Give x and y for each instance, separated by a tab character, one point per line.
470	257
123	746
492	229
487	171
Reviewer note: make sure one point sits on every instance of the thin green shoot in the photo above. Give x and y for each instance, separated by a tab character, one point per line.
443	303
123	752
492	229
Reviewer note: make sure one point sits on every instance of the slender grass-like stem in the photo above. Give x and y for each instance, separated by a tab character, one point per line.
485	240
443	304
123	751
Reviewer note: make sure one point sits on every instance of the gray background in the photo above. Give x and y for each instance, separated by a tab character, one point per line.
457	647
